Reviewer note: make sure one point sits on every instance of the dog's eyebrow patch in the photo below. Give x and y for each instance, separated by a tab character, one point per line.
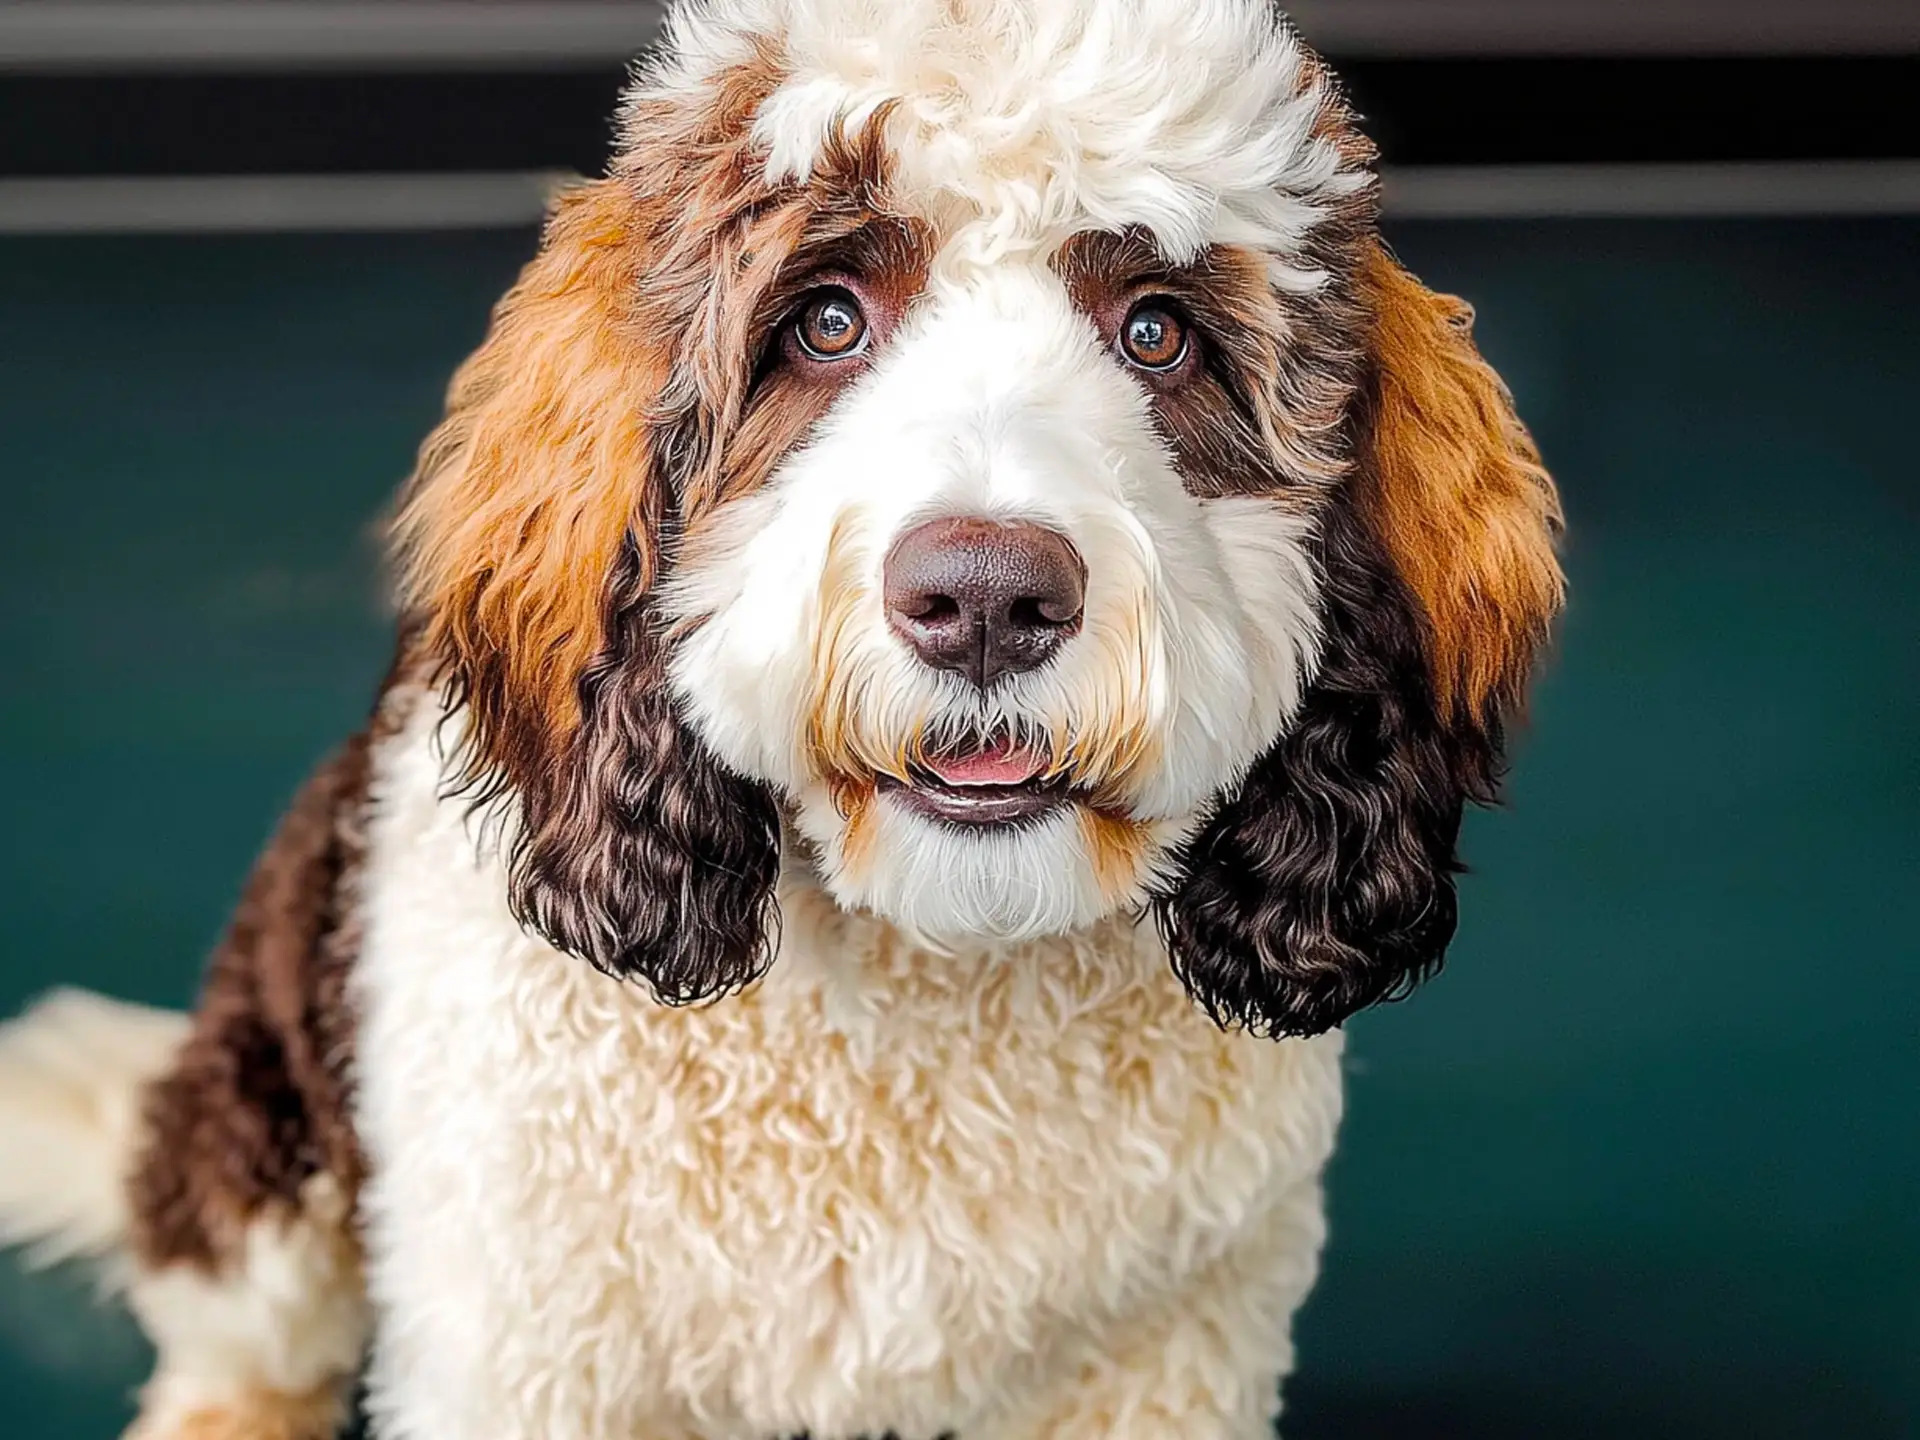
885	258
888	257
1217	423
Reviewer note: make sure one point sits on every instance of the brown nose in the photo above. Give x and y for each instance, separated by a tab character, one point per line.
981	598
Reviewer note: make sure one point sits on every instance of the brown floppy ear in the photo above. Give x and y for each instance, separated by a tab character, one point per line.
529	543
1324	883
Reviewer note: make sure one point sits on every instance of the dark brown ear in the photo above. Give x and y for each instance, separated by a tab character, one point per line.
529	543
1324	883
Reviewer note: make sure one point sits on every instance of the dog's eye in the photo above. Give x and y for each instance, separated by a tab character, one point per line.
831	326
1153	337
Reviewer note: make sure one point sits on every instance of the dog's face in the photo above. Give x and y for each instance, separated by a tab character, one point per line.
986	446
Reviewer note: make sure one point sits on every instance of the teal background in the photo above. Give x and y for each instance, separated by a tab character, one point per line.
1643	1162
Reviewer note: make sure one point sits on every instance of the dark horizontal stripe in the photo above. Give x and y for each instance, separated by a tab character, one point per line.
1425	112
303	124
132	35
145	35
1561	111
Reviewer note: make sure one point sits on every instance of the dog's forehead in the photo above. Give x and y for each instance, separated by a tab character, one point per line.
1013	124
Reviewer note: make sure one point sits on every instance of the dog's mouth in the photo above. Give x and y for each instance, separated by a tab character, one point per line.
992	783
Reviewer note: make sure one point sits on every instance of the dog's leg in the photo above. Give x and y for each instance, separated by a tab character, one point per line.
263	1342
1207	1366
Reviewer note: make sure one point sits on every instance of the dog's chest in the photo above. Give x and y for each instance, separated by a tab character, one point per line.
867	1196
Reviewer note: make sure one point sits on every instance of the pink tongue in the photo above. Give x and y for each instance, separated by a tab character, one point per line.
1002	765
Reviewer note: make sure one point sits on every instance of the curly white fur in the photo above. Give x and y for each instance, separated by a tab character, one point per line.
1036	118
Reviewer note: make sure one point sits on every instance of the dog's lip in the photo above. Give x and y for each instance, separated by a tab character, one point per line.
997	784
975	804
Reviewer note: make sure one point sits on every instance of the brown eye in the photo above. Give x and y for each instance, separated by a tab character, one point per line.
831	326
1153	337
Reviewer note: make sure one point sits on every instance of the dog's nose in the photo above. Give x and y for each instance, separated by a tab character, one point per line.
981	598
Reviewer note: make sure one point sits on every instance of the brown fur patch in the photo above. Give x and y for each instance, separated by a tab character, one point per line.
258	1100
1117	848
1264	409
826	237
1452	483
1228	416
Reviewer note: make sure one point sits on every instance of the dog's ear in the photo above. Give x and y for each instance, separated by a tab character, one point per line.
1324	883
1451	484
529	543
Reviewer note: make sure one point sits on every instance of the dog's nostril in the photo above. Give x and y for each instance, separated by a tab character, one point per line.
933	609
1032	613
982	598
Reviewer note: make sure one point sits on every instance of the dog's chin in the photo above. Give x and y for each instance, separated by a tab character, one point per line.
966	867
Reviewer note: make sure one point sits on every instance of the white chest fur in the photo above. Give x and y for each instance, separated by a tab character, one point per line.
885	1190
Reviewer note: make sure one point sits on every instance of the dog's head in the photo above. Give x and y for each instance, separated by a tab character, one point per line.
986	446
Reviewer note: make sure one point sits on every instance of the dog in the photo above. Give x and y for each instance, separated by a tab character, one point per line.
944	638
